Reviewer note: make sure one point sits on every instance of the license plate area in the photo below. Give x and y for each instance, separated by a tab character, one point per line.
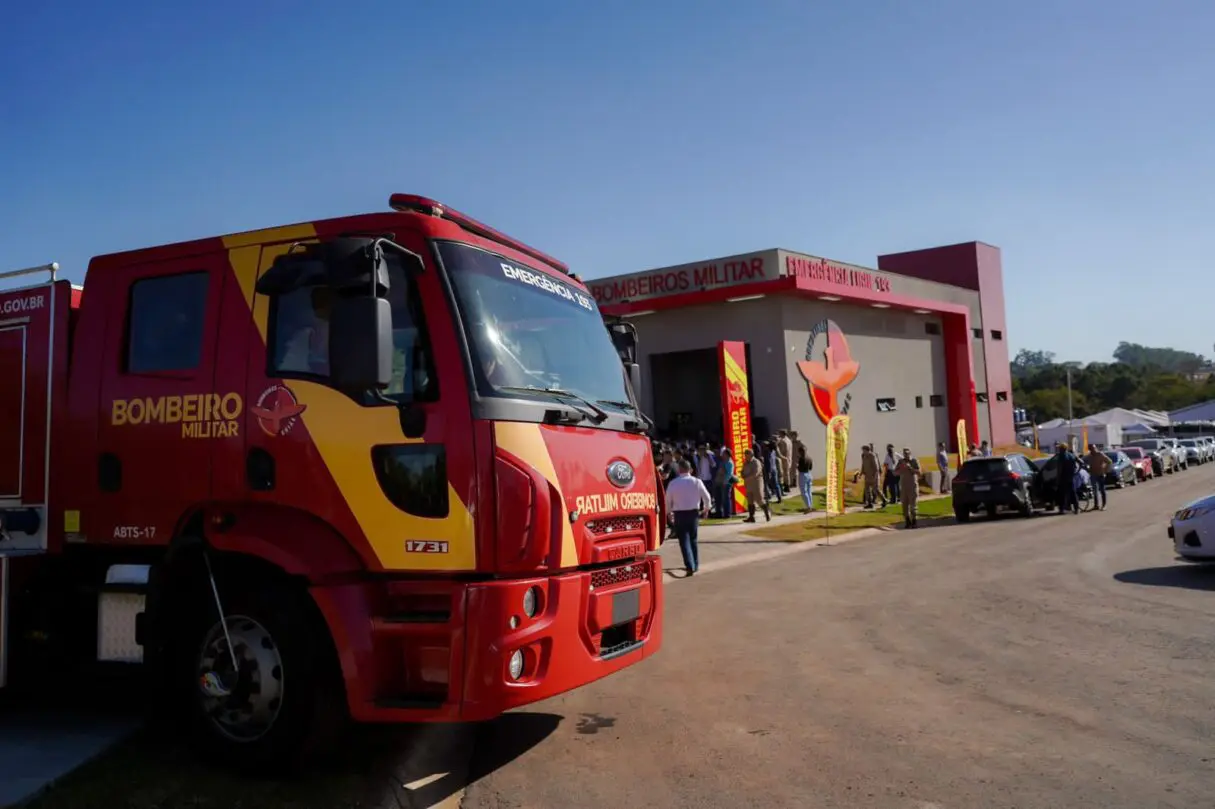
982	487
626	606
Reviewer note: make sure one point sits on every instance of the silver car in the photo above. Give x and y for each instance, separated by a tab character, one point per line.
1183	457
1196	451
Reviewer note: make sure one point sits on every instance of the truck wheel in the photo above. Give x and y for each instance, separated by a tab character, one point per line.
280	703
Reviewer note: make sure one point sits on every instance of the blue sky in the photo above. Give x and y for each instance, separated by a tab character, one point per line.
1075	135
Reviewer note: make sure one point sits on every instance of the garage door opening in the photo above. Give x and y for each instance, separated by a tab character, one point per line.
687	394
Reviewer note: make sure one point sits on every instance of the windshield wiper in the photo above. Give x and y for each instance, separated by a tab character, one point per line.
597	414
630	406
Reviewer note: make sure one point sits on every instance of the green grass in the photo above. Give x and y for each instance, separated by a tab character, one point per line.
822	528
790	505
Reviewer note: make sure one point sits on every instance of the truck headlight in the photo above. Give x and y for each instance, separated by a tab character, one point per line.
516	664
531	600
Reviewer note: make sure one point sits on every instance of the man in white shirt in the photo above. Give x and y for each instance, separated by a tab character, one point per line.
687	501
943	467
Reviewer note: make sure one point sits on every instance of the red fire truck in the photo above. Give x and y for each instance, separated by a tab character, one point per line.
387	467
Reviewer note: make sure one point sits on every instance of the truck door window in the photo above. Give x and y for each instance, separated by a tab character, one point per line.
299	337
165	323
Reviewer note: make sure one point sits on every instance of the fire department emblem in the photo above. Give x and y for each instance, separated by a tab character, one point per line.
828	368
277	410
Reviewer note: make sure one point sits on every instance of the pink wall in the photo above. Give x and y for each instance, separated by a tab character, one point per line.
976	266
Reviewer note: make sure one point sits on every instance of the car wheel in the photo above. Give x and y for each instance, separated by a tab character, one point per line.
961	515
1026	509
1135	480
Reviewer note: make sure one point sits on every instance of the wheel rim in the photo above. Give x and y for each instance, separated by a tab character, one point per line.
241	703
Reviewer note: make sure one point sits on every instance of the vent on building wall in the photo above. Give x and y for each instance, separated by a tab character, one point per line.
936	400
978	333
919	401
996	334
885	405
1002	396
981	398
932	327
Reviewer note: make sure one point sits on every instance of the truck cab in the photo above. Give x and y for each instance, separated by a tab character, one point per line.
394	459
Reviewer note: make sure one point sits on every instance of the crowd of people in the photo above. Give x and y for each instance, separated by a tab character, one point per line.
700	478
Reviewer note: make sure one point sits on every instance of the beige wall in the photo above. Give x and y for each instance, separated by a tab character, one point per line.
756	322
897	359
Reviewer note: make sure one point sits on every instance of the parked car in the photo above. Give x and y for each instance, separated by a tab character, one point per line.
1192	530
1195	450
990	484
1183	457
1141	460
1164	459
1121	472
1210	442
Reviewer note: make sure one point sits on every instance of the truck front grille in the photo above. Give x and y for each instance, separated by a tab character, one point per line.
616	525
624	574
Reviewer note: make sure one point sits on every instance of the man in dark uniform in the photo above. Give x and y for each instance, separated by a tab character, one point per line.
1066	480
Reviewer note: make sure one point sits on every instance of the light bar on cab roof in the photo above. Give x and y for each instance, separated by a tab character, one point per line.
415	203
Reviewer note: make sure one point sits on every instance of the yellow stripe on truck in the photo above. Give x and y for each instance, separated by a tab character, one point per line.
525	442
344	433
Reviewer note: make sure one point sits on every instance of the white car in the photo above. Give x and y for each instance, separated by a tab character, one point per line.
1195	450
1192	530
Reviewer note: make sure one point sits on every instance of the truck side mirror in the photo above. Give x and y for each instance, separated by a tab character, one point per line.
634	372
360	343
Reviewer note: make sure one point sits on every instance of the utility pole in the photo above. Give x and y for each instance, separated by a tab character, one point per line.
1071	443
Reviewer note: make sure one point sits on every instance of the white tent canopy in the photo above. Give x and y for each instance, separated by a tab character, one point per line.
1121	416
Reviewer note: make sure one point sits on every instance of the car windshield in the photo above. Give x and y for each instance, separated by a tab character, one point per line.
1113	456
530	331
1189	442
1133	452
985	466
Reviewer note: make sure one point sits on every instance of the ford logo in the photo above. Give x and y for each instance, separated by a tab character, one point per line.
620	473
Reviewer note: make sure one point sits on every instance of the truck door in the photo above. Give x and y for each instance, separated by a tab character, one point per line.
161	415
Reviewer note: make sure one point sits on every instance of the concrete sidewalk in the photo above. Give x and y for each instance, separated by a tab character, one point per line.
37	750
728	545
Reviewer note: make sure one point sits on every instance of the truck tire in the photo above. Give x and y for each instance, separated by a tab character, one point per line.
286	702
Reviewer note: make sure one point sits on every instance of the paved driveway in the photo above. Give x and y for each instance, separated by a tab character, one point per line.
1056	662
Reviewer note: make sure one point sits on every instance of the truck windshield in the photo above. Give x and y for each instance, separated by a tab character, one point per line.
531	333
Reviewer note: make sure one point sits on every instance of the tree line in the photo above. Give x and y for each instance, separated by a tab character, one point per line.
1140	377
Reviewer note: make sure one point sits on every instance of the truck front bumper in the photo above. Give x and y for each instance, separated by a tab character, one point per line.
443	650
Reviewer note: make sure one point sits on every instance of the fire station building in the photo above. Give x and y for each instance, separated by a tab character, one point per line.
906	349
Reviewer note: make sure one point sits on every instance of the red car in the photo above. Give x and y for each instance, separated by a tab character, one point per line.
1140	460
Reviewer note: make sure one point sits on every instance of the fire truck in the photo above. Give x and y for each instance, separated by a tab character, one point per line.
387	467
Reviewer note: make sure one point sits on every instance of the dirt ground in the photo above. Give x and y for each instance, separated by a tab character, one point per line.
1063	661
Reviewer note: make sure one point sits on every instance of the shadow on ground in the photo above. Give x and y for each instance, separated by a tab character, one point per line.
390	766
1184	575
